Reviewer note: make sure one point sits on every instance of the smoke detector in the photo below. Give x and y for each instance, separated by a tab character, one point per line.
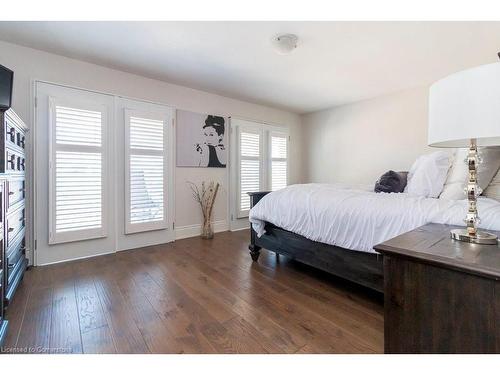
285	44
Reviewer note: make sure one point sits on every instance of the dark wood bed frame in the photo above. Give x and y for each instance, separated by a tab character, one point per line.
359	267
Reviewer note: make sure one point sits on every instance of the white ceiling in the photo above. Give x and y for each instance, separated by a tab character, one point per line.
336	62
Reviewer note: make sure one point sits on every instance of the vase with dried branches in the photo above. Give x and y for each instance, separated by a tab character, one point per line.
205	196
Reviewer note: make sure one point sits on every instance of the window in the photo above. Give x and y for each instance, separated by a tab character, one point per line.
250	161
260	161
145	171
76	171
278	169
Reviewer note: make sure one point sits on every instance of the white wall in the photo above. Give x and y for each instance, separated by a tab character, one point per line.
357	143
30	64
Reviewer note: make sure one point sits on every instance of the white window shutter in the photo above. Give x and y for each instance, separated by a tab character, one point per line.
76	169
146	134
145	168
146	188
261	153
78	126
279	163
78	191
249	167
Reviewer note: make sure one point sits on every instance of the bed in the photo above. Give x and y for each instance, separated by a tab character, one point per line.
334	227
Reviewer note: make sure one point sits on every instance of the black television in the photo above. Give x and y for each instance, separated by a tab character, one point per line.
6	80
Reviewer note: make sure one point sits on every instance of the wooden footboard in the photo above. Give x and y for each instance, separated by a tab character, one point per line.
360	267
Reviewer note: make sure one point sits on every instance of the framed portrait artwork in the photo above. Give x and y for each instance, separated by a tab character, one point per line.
201	140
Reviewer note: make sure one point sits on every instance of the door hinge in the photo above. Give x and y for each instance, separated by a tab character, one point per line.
173	225
36	102
36	242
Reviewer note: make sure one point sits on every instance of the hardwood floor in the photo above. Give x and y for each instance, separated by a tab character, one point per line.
192	296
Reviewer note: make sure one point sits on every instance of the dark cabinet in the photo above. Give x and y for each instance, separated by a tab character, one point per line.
13	260
441	295
3	322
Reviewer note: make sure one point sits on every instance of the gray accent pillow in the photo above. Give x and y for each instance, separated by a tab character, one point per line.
391	182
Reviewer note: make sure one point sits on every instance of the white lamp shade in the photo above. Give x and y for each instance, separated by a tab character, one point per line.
466	105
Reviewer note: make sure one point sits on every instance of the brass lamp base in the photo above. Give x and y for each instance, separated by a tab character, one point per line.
484	238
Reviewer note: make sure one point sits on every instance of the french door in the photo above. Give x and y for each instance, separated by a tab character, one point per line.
145	154
259	161
103	173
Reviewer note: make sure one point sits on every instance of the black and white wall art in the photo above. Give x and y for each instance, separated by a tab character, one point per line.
201	140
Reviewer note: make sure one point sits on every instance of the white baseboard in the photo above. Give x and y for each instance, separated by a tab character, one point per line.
73	259
246	227
194	230
239	224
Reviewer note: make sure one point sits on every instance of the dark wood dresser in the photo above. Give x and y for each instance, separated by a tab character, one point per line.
12	209
440	295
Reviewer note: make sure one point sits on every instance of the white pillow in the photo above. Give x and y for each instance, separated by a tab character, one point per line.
428	174
493	189
454	187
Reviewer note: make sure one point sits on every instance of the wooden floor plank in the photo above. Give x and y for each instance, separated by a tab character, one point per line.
193	296
126	335
239	327
65	334
95	332
16	310
195	286
172	305
226	290
153	328
34	336
194	317
65	327
291	308
335	308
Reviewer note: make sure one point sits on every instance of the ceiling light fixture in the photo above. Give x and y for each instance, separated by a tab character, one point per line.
285	44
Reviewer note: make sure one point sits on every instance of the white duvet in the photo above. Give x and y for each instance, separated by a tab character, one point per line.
358	219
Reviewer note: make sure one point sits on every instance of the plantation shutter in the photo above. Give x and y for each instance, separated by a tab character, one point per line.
145	169
76	172
249	167
279	163
259	162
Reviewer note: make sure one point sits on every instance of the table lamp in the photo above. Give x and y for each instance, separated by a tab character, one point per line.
464	112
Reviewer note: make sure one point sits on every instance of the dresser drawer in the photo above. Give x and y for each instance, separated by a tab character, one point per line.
15	161
15	192
15	223
15	254
15	136
15	279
